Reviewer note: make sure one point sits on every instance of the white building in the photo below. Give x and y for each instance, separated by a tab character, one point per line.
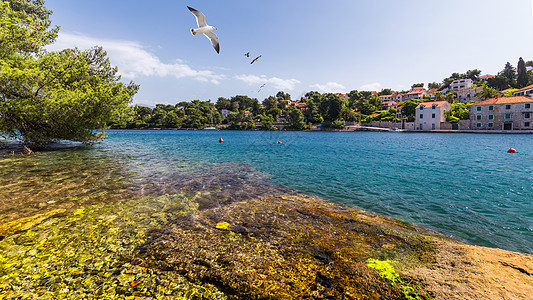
527	91
429	115
460	84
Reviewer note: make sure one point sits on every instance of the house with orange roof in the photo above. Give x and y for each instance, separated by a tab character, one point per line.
415	93
502	113
429	115
386	105
486	77
431	93
342	95
385	98
398	97
526	91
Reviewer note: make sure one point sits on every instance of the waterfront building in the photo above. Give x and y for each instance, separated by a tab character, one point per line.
429	115
505	113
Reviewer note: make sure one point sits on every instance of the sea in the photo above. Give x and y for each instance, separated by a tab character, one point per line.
465	186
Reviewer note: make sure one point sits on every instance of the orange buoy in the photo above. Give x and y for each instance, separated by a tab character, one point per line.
511	150
220	140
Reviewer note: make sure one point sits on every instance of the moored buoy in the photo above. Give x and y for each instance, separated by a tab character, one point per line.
511	150
220	140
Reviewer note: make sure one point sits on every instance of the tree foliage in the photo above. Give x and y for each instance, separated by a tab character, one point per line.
522	79
49	96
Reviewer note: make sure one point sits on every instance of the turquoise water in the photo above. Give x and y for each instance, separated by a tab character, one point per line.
462	185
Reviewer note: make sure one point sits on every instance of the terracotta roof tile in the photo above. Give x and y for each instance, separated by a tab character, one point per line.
430	104
505	100
525	88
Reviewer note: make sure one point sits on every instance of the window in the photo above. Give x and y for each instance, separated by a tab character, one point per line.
526	124
491	107
433	116
527	115
421	116
421	107
478	117
528	105
491	117
433	106
491	125
433	126
478	108
507	116
507	106
478	125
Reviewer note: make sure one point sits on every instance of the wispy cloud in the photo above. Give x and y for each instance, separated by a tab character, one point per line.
278	83
376	86
330	87
133	59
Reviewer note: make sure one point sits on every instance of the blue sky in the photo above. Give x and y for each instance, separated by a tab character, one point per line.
326	46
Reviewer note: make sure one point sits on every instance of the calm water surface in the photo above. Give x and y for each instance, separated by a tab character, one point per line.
462	185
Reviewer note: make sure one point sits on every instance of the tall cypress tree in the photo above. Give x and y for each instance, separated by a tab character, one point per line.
509	74
521	80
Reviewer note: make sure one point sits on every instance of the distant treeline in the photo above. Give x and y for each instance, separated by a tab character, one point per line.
330	110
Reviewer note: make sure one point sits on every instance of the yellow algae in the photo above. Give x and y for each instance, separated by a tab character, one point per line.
27	222
79	211
223	226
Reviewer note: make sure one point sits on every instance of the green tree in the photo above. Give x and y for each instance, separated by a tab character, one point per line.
522	79
270	102
509	74
312	114
473	74
335	107
49	96
417	85
296	118
499	83
385	92
223	103
409	108
488	93
283	96
433	85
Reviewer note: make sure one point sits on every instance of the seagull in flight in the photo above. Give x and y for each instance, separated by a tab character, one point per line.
204	28
255	59
247	54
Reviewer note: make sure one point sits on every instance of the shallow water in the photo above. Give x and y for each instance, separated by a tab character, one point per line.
462	185
72	220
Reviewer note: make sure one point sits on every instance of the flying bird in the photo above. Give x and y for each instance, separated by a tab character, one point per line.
255	59
261	87
204	28
247	54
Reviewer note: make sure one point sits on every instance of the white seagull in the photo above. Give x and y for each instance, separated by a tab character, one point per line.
204	28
